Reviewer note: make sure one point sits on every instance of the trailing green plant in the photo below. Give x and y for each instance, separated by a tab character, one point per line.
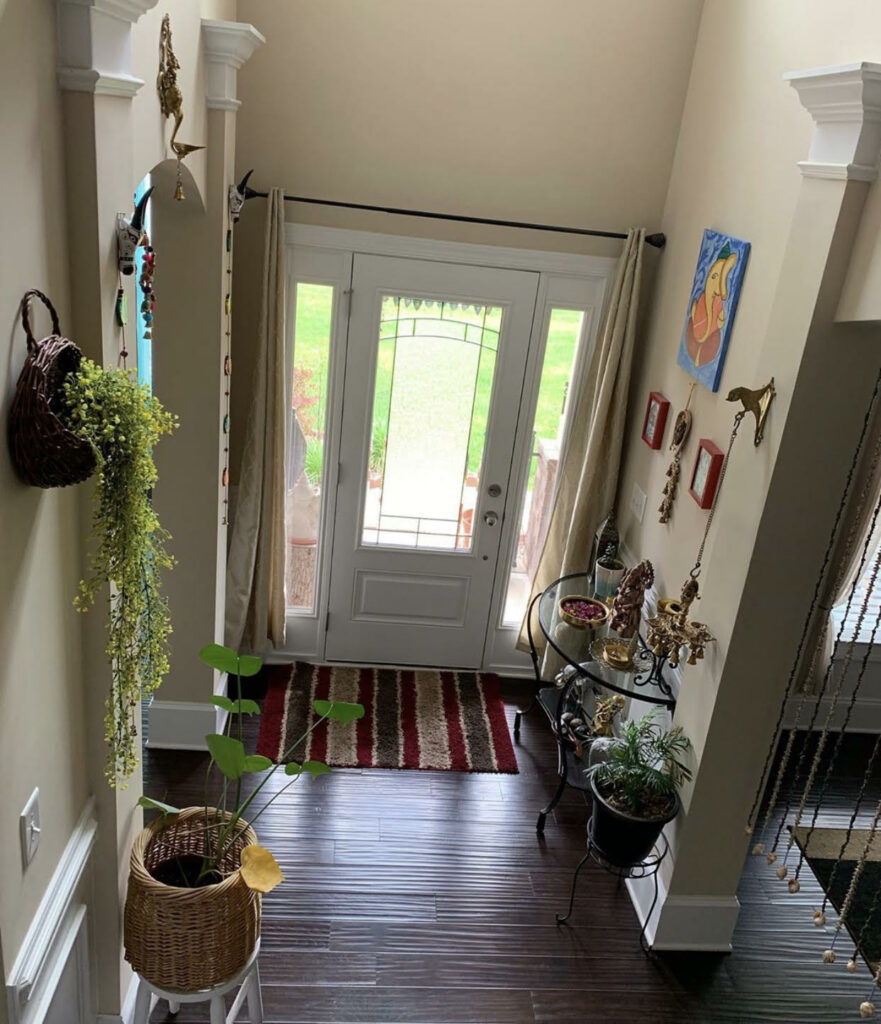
123	421
645	768
314	461
229	818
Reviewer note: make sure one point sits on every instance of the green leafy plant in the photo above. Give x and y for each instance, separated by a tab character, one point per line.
226	821
378	441
314	461
645	767
123	421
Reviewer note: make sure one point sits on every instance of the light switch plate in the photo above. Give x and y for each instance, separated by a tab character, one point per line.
637	502
29	828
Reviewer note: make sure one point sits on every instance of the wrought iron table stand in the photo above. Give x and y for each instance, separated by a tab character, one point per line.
647	868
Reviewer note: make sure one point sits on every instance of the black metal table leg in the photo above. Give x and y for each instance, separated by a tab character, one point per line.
519	714
563	918
555	799
646	948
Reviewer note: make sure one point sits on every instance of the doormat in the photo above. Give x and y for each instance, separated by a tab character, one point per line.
438	721
864	917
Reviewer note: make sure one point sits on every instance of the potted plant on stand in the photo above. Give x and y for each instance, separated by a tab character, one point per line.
636	791
197	875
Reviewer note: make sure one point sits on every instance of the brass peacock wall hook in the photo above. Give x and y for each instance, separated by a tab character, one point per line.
171	100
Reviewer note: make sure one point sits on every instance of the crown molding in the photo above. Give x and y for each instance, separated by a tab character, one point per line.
97	82
226	45
845	103
124	10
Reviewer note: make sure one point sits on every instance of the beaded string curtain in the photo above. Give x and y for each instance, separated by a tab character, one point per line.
795	779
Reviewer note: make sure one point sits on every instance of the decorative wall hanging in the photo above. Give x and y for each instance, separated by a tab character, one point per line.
129	235
681	430
45	451
235	199
655	420
171	101
718	279
705	475
814	762
145	283
758	402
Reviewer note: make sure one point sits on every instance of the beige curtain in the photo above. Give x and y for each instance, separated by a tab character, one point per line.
847	556
587	479
255	602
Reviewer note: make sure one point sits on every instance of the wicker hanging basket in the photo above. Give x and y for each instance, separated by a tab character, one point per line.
181	939
44	451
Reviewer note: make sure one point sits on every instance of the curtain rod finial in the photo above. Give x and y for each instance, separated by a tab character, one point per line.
658	240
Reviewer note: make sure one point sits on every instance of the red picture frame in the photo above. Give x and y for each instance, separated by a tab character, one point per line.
655	419
705	474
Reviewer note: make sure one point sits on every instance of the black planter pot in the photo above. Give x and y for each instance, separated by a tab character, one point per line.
622	838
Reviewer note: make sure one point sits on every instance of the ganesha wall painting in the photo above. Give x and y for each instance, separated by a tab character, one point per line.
711	307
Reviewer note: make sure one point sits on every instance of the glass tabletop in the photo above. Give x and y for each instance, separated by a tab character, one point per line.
645	681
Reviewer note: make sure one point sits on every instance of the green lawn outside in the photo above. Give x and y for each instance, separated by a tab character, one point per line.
311	352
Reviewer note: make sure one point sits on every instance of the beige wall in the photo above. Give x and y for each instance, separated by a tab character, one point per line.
735	170
562	112
41	685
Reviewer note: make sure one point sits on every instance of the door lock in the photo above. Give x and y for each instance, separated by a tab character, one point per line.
490	518
494	490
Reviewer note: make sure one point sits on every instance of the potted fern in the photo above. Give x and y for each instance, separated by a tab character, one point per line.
636	791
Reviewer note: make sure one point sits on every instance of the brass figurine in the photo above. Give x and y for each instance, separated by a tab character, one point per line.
681	430
758	402
604	716
171	100
670	630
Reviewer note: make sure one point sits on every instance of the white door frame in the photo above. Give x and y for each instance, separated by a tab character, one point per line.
573	280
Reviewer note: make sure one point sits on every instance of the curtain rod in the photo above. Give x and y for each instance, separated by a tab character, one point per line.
658	240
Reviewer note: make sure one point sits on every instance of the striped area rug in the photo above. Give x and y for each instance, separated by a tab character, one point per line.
444	721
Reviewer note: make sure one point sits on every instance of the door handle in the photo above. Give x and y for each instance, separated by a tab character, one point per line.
491	518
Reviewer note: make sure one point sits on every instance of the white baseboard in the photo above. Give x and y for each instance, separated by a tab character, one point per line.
127	1015
699	923
183	725
54	933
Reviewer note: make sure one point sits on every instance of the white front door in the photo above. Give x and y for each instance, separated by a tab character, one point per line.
435	365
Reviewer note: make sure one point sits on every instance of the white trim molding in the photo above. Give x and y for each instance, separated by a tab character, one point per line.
180	725
89	80
123	10
600	268
54	931
845	103
226	46
698	923
95	45
183	725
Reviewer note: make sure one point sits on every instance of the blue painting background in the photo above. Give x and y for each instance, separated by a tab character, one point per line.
711	244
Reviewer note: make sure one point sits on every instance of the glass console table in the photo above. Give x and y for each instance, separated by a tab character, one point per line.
645	681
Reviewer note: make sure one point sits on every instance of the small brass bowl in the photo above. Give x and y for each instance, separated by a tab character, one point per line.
669	606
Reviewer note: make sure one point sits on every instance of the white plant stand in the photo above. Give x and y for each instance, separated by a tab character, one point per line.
247	981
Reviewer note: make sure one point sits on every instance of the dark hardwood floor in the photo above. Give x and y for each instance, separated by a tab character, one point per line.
427	898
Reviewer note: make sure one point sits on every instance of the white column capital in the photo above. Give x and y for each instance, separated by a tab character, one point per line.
226	46
95	45
845	103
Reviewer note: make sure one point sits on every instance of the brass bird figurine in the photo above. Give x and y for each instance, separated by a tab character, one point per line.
756	401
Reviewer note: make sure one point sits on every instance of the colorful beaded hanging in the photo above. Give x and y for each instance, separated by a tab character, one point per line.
148	296
232	217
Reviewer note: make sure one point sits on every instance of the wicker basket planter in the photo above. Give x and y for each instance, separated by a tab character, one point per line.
184	939
45	452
